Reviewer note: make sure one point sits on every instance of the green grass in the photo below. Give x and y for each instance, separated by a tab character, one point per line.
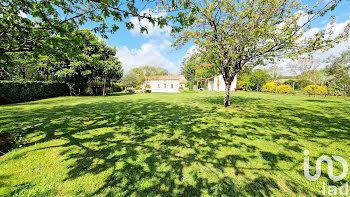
172	144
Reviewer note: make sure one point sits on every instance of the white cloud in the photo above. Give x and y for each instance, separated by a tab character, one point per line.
323	55
191	51
304	17
153	30
149	53
337	28
336	50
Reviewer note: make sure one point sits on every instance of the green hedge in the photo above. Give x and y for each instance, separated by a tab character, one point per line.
15	92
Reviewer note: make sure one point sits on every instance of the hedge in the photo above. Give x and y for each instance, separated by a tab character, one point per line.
15	92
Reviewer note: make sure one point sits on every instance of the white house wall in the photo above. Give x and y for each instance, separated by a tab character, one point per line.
164	85
212	84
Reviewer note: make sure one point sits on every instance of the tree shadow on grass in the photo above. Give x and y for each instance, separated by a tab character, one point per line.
278	116
159	148
322	101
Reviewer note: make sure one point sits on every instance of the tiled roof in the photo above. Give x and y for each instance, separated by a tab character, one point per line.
168	77
203	66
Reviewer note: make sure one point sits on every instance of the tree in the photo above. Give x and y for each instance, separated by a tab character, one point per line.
318	77
232	34
92	58
25	24
187	69
275	72
338	72
145	71
112	70
258	78
137	76
304	68
24	67
130	80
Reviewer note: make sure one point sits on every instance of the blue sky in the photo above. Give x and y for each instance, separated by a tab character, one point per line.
136	49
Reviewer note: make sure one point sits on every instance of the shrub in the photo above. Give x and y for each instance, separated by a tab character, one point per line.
290	82
336	90
117	87
148	91
322	90
138	87
298	84
15	92
302	84
315	89
242	85
284	89
269	87
96	90
131	91
190	85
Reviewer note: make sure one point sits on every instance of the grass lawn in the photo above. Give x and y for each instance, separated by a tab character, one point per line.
173	144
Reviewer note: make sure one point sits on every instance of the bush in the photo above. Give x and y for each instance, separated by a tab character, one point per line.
290	82
322	90
336	90
117	87
315	89
148	91
298	84
131	91
242	85
138	87
15	92
96	91
269	87
301	84
284	89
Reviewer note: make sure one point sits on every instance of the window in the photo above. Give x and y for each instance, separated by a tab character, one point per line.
172	85
164	85
158	85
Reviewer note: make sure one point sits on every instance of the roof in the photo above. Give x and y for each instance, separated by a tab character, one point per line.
203	66
181	78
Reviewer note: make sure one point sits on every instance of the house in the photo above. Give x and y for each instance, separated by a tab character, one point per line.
165	83
212	83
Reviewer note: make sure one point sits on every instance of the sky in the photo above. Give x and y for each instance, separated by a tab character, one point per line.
135	49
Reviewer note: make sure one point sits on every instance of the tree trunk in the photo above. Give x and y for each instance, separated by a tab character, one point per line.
217	84
227	94
104	86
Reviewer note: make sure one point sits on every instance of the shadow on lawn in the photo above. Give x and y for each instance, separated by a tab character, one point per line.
160	148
